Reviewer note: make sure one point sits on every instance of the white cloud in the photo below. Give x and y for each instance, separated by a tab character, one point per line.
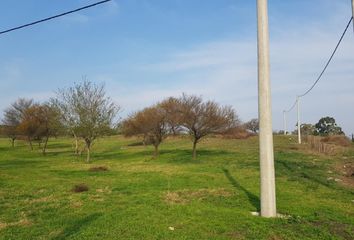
226	71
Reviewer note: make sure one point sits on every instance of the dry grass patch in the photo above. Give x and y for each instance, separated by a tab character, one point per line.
329	145
22	222
185	196
104	190
49	198
77	204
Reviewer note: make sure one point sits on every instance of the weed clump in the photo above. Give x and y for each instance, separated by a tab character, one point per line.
80	188
98	169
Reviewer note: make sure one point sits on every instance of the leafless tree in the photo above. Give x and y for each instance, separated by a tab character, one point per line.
252	125
150	123
13	116
173	115
204	118
86	111
39	122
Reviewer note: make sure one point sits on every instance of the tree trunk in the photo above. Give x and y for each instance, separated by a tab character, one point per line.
156	151
144	141
195	141
30	142
88	146
13	142
76	144
45	145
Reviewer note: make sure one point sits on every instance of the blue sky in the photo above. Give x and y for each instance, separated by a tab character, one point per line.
145	50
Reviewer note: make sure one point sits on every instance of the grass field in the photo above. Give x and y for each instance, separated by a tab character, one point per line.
171	197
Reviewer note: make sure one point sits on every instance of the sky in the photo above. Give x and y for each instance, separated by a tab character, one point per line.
146	50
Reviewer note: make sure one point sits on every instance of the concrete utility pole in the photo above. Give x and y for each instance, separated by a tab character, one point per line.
284	120
298	120
268	203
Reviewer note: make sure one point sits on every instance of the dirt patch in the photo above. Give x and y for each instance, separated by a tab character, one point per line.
98	169
80	188
185	196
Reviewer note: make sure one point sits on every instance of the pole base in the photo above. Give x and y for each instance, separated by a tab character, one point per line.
279	215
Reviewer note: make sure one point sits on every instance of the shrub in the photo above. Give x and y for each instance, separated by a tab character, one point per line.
237	133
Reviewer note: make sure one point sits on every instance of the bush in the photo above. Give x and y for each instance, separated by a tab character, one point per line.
238	133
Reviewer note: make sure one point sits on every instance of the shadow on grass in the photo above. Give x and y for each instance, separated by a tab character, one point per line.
59	145
298	170
253	199
303	172
76	226
182	156
19	163
178	156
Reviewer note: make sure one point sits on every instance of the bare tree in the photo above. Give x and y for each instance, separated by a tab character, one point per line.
10	125
204	118
252	125
173	115
150	123
30	124
48	118
86	111
13	116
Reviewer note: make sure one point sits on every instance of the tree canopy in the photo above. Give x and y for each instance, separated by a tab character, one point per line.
86	111
327	126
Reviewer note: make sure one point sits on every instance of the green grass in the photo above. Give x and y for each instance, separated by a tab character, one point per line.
140	197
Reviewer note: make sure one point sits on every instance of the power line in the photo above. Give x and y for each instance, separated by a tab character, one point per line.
292	107
325	68
329	60
52	17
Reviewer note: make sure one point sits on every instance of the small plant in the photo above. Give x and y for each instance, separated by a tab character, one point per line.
80	188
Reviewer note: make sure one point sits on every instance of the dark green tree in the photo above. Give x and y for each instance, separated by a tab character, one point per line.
327	126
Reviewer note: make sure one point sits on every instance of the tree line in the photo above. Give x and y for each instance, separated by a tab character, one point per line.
86	113
187	114
82	111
